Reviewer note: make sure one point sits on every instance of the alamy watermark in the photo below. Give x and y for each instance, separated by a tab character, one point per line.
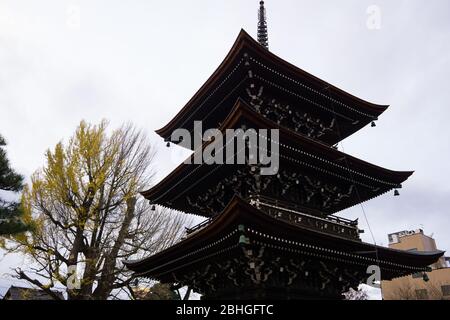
73	281
257	147
73	20
374	17
374	280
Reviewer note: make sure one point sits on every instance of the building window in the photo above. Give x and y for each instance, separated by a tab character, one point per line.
446	290
422	294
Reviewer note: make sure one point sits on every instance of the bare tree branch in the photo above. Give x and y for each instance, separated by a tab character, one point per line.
46	289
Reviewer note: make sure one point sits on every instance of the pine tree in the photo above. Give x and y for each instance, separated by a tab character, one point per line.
10	212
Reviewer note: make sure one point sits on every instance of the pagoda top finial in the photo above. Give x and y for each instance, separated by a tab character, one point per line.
263	36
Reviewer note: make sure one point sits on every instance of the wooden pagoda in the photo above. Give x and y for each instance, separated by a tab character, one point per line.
275	236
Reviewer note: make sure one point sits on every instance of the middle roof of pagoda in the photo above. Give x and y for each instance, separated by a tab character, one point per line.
297	153
248	63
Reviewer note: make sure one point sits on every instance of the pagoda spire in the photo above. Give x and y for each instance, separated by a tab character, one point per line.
263	36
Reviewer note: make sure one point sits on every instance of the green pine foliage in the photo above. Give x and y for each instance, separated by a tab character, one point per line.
11	221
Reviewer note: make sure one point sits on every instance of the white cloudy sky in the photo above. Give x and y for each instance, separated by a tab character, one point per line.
142	60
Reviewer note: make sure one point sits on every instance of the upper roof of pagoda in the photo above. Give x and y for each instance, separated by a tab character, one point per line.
249	64
223	234
297	153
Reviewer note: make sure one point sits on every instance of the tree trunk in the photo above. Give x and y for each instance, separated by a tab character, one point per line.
107	278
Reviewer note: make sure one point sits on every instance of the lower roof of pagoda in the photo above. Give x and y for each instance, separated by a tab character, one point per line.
248	62
224	234
313	163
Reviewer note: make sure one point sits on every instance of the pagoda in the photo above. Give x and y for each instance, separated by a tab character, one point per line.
274	236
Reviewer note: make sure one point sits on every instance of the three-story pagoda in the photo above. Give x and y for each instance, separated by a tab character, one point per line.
275	236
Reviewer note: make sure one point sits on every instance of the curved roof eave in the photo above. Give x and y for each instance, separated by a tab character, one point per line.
240	109
239	209
244	40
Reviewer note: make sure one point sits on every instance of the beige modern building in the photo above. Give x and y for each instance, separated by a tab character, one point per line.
434	285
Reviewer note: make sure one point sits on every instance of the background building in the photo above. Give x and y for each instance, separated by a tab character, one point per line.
434	285
20	293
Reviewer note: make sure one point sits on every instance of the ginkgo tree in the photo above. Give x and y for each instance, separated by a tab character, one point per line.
88	214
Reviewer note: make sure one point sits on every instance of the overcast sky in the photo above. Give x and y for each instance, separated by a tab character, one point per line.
141	61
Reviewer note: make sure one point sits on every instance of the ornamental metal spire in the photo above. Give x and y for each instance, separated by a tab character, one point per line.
263	36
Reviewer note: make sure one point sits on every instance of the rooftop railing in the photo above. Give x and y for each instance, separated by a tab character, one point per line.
291	213
199	226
